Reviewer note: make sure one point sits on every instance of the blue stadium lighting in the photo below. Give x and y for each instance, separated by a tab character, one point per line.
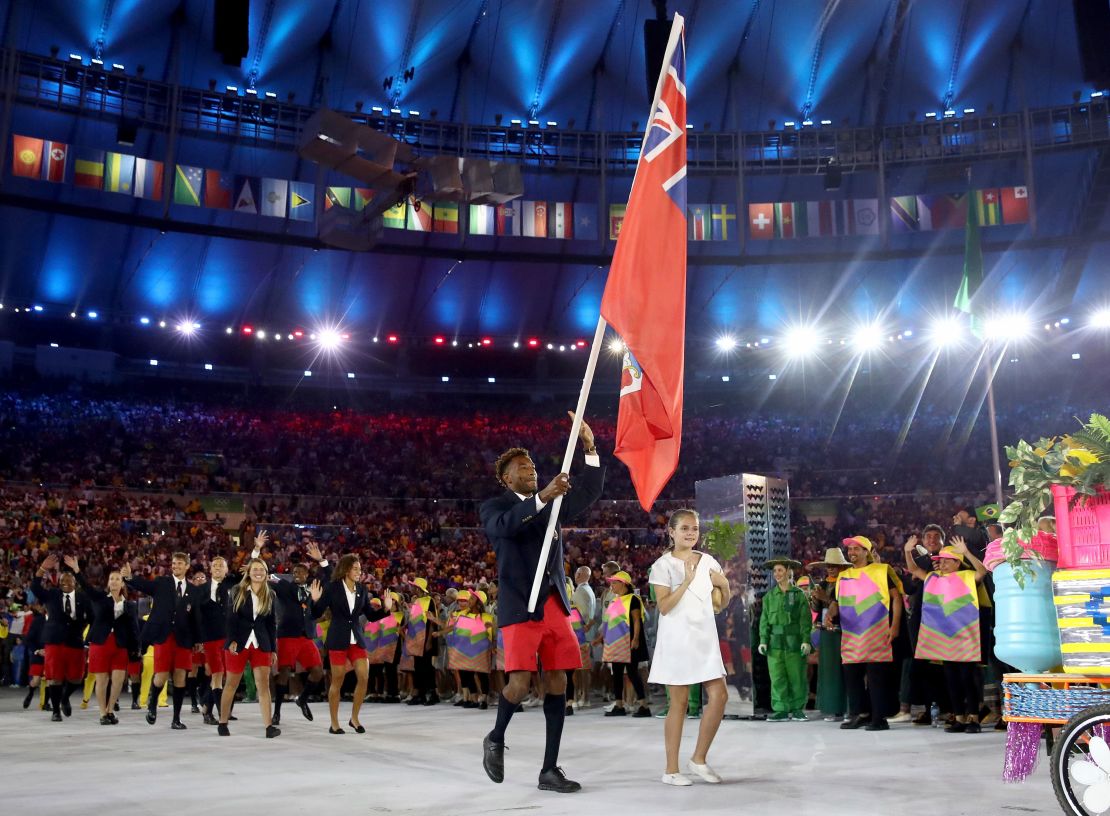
97	61
491	379
414	113
53	345
1101	319
445	379
1065	321
73	314
307	373
75	57
144	321
969	110
789	124
395	110
1008	327
117	67
232	89
154	362
689	126
772	376
801	341
931	115
826	121
868	337
516	344
725	342
376	109
553	124
207	366
229	330
533	122
161	324
1096	94
949	113
725	378
37	308
350	375
807	122
1076	356
516	122
252	92
93	315
271	95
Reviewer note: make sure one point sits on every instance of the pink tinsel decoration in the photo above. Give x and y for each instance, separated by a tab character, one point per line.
1023	744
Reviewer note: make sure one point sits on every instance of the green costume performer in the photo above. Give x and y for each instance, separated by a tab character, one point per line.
832	698
784	630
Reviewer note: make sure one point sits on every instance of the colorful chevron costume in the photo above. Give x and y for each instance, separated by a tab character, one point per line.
385	647
617	630
469	643
950	618
863	594
417	629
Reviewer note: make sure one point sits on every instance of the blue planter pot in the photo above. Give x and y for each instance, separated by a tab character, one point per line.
1025	629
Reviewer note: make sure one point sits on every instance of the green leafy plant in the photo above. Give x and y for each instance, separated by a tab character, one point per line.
1080	461
722	538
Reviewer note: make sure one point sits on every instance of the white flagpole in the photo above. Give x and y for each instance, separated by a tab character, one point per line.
568	457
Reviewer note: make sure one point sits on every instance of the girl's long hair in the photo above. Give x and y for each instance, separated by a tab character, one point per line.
266	596
672	523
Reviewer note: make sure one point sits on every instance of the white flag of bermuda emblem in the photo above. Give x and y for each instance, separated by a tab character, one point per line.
632	376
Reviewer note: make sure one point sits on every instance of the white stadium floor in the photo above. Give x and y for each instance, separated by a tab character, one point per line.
428	761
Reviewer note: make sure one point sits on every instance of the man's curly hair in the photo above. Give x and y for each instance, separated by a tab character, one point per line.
503	460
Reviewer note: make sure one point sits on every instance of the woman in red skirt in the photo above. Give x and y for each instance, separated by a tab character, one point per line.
113	637
251	638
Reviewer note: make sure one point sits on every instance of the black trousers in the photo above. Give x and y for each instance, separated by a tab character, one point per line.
965	687
619	670
383	679
472	681
928	685
873	697
424	675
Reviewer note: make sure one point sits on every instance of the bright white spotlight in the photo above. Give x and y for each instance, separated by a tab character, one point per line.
187	327
801	341
726	342
1008	327
616	345
328	339
946	331
1101	319
868	337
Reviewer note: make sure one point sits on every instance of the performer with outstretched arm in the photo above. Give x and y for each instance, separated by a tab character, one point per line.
67	613
516	522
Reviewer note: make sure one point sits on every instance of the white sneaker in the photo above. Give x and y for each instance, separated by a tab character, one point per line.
610	707
901	716
676	779
704	771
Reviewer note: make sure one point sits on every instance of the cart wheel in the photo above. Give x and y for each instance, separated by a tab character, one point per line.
1081	763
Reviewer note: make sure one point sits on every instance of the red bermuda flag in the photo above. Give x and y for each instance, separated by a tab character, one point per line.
645	296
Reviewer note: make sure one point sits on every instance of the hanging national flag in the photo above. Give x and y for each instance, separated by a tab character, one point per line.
119	173
507	218
148	179
585	222
187	185
219	190
645	295
561	220
419	215
247	199
941	212
360	197
533	219
989	210
862	216
903	214
761	221
697	222
824	219
394	217
275	197
784	219
445	217
721	216
616	220
337	197
54	158
26	157
1015	205
301	196
986	513
88	169
481	219
972	280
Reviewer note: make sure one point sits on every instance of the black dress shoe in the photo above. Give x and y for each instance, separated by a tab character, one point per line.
135	705
972	728
924	718
359	729
272	731
276	720
195	710
459	703
431	701
570	711
852	723
302	704
105	720
113	718
470	704
223	730
177	725
877	725
617	712
116	706
210	720
56	716
493	759
336	730
642	711
67	709
417	700
556	780
954	727
483	705
28	698
151	716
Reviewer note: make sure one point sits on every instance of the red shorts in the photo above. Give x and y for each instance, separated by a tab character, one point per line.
107	656
294	650
135	668
552	639
236	662
352	653
169	657
214	656
35	670
64	663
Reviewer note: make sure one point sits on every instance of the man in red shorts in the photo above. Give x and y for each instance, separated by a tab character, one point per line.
212	620
67	613
171	629
515	523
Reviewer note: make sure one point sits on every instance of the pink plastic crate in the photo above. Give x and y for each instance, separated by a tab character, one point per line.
1083	530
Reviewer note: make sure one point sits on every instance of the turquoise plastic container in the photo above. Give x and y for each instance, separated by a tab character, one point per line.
1025	630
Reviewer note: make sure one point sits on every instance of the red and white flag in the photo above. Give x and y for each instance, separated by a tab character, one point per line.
645	295
54	155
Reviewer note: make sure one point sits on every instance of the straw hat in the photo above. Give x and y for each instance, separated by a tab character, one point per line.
789	563
834	557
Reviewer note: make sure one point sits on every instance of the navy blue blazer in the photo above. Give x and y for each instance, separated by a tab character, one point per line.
516	530
241	622
105	622
295	618
344	621
211	618
62	629
170	615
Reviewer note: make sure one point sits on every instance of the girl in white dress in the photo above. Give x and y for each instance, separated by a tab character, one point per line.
687	649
